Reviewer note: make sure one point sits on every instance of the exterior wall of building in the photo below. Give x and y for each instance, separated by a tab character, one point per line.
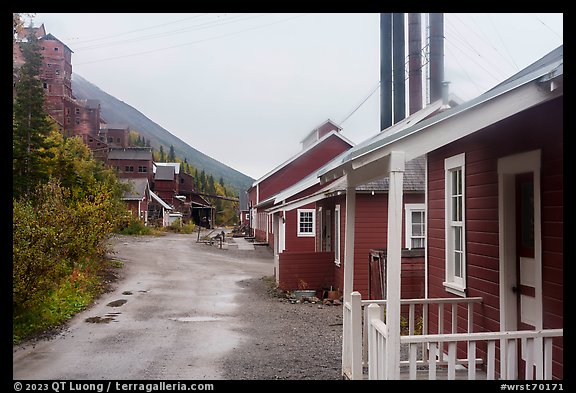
289	175
371	234
132	168
166	189
315	269
302	166
117	137
537	128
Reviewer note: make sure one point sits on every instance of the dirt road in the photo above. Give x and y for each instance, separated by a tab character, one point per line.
171	316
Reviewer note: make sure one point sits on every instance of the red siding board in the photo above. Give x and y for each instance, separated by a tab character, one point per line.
517	134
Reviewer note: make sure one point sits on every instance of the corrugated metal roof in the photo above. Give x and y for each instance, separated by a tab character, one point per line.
138	190
164	173
175	165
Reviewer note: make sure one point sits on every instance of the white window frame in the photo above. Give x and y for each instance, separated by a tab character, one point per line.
298	228
336	241
410	208
320	230
453	283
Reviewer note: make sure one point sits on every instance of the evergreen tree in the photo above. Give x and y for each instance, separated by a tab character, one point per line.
172	154
211	186
30	122
196	180
202	181
162	156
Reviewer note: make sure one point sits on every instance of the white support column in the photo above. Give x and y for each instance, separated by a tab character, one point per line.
356	332
349	242
347	329
393	264
276	228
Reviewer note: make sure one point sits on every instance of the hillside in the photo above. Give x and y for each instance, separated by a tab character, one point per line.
119	112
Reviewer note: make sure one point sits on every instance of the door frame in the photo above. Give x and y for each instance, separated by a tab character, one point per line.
508	168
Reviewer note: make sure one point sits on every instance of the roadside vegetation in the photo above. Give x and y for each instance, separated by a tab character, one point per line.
65	206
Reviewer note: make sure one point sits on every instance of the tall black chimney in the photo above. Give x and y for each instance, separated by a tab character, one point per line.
385	71
436	55
399	74
414	62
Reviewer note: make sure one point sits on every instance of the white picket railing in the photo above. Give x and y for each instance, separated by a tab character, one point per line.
438	351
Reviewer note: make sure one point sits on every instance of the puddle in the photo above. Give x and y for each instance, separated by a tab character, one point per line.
99	319
127	293
196	319
117	303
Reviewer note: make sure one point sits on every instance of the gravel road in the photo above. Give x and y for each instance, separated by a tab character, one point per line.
300	341
186	310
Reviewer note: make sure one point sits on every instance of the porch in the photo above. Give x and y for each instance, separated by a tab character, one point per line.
430	353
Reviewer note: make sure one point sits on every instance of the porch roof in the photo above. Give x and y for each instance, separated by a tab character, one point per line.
337	186
515	95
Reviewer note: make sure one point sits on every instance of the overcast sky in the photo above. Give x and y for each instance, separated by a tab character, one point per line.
246	88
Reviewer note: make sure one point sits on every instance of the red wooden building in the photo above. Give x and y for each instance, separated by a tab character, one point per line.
494	246
138	197
321	145
317	257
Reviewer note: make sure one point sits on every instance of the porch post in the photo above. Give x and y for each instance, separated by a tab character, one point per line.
351	357
350	226
276	230
393	262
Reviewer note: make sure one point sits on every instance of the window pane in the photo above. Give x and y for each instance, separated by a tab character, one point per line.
457	239
417	230
306	222
458	264
418	243
417	217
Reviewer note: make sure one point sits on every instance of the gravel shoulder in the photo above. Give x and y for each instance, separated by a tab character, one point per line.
285	341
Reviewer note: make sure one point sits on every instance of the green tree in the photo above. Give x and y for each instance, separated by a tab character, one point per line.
172	154
162	156
202	181
30	122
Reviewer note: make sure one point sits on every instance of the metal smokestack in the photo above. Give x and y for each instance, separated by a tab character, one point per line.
399	74
436	55
385	71
414	62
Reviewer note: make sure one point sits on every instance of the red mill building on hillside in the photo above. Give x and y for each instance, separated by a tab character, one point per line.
74	117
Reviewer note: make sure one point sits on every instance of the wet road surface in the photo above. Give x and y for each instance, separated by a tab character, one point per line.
171	316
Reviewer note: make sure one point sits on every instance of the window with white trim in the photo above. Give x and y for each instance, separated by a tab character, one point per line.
337	235
455	225
306	222
415	227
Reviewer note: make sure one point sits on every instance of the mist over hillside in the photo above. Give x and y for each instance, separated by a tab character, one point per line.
117	112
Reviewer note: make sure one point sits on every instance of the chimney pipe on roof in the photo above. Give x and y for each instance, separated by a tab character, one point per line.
385	70
436	55
399	72
445	95
414	62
